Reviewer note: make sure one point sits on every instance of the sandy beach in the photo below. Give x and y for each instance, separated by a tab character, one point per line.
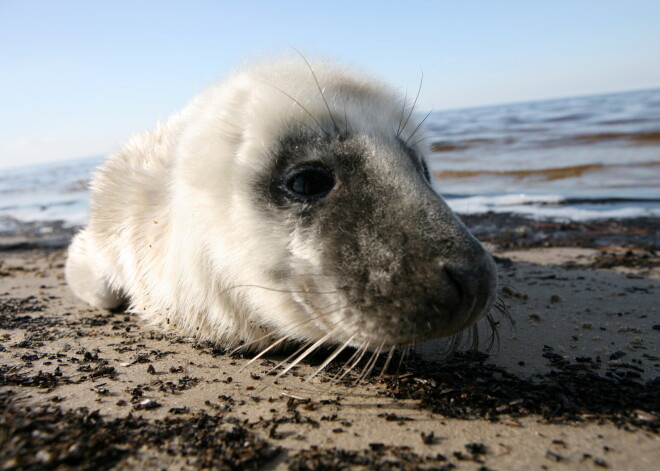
572	383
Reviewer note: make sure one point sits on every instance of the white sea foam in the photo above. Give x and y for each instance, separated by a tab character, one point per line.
551	207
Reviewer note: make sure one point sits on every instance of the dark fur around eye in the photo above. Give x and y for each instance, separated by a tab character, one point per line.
425	171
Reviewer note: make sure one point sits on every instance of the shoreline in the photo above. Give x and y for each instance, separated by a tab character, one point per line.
504	230
576	383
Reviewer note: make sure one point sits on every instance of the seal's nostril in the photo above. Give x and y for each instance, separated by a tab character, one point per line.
459	279
468	282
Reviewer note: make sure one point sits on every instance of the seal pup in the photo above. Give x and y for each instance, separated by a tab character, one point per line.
292	202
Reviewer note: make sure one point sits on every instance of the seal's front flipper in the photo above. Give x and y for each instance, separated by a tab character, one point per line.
85	277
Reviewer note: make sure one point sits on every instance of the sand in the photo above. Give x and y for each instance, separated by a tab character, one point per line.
573	385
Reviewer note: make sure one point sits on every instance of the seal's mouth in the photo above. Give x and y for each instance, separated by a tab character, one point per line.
441	303
367	354
377	333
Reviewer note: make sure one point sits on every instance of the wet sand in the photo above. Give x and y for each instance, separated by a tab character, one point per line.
574	384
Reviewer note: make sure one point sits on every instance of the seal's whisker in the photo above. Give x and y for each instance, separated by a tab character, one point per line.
501	301
277	290
372	361
304	354
362	375
390	354
299	104
466	341
253	342
474	337
501	307
403	110
359	353
455	342
295	326
412	108
266	350
332	356
312	130
289	358
291	325
425	138
318	85
419	126
493	325
304	345
335	378
403	355
494	333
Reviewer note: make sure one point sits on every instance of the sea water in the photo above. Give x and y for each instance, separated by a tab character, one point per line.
49	192
578	158
573	159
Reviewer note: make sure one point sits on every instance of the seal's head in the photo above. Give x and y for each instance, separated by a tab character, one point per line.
308	188
290	202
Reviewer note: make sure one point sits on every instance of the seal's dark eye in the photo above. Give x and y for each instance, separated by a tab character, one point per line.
310	183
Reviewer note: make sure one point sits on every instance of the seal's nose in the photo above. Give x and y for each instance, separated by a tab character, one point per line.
473	284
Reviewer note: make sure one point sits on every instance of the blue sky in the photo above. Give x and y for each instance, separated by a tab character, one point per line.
78	77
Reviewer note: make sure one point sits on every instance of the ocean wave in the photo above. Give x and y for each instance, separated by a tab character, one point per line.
555	206
643	138
542	174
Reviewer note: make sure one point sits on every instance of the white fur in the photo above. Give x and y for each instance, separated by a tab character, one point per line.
173	228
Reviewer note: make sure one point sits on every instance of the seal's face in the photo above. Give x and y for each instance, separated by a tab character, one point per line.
314	205
290	202
376	255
